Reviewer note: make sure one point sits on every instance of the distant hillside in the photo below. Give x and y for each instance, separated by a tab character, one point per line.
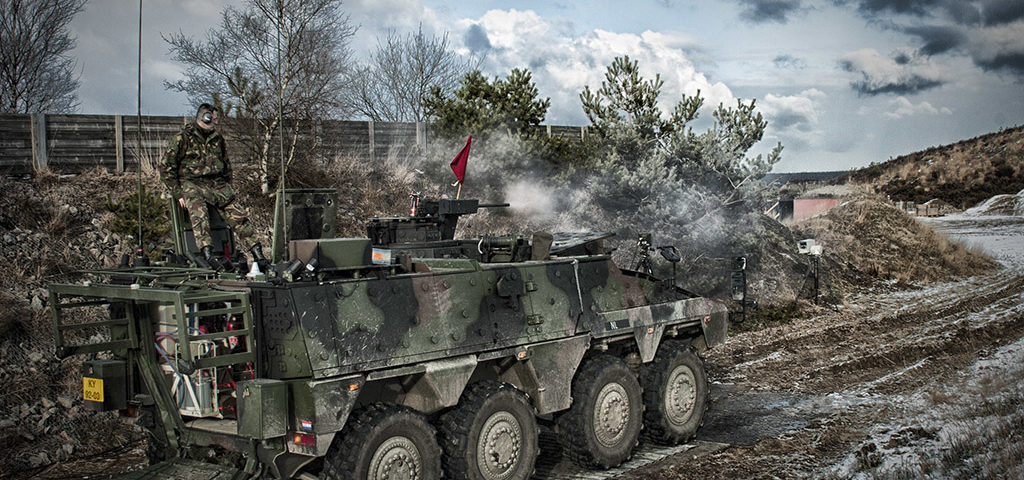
802	177
962	174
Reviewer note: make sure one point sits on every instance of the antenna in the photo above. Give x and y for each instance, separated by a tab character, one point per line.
138	133
280	94
280	235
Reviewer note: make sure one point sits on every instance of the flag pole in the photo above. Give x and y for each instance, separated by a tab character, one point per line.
459	193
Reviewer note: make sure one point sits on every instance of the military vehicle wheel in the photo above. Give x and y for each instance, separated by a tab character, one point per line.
384	441
491	435
157	445
602	426
675	394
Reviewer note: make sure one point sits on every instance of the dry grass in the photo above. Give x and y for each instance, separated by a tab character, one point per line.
871	237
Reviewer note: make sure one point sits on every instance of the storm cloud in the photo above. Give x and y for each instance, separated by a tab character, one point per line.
764	11
1000	12
913	7
790	62
937	39
900	74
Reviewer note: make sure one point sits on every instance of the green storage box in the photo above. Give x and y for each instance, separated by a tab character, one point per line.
262	408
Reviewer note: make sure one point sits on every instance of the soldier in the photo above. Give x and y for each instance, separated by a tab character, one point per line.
197	172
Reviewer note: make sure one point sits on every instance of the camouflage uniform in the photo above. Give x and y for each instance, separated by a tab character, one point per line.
196	168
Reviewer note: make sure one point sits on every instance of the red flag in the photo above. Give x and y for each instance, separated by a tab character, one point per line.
459	162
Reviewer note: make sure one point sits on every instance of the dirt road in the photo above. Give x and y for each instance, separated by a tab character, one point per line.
894	385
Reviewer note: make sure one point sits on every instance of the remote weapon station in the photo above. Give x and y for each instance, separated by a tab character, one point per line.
407	354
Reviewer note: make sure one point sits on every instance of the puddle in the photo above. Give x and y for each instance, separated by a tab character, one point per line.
741	416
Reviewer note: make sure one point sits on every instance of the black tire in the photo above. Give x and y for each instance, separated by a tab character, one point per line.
491	435
158	447
381	438
675	394
602	427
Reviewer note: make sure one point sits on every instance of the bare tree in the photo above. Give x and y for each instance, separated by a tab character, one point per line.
36	72
238	63
401	73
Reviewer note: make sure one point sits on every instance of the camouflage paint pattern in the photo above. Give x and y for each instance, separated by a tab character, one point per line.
419	332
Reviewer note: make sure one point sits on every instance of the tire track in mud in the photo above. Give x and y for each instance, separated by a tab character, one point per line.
836	351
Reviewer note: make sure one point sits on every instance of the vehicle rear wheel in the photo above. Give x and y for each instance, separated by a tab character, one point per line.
490	435
602	426
384	441
157	445
675	393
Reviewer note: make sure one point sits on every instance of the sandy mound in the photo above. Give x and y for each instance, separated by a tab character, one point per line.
869	237
1000	205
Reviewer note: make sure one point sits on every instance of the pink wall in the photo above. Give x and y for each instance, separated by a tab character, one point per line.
808	207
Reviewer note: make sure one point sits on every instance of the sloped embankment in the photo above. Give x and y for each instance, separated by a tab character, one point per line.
961	174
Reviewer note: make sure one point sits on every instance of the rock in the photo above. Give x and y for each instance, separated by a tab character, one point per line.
47	403
35	357
39	459
9	238
37	304
68	448
65	402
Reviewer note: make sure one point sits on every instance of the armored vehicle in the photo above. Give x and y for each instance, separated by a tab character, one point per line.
406	354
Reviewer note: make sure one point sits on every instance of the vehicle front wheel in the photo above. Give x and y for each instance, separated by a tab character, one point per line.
384	441
490	435
602	426
675	393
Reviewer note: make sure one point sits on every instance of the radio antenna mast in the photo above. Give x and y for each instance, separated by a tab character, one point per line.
138	134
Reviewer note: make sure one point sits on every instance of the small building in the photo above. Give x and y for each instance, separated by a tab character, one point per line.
809	207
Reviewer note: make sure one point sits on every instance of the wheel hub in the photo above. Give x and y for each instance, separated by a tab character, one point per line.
397	458
498	448
681	395
611	415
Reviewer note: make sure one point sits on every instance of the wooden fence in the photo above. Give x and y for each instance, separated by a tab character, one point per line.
73	143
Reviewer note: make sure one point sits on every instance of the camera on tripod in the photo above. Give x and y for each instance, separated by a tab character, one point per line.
809	247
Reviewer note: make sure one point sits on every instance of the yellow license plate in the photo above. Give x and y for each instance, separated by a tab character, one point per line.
92	389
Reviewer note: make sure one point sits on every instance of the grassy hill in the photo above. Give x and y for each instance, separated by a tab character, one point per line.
962	174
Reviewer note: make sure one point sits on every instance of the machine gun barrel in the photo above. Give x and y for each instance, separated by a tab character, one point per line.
493	205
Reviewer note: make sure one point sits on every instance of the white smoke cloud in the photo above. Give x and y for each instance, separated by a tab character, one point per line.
530	198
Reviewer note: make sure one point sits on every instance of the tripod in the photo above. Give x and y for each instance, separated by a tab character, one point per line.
816	271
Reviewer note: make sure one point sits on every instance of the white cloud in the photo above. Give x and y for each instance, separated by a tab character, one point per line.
905	108
563	62
793	119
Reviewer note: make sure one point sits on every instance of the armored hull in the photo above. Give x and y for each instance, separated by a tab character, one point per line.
409	354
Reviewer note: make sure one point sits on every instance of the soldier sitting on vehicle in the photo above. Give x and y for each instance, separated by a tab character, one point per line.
198	174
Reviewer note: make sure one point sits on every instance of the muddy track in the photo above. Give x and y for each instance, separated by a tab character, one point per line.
838	375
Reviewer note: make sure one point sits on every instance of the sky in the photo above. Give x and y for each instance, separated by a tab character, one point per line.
842	83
